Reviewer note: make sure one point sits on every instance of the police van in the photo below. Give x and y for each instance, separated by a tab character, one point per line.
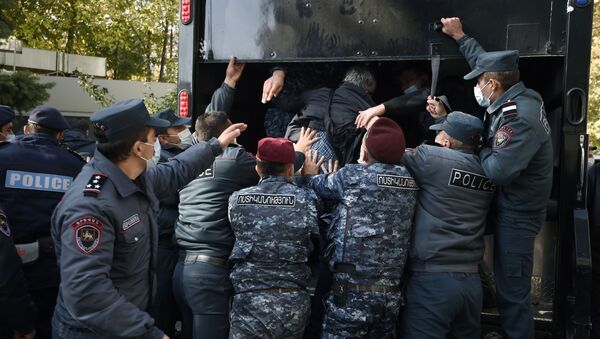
554	41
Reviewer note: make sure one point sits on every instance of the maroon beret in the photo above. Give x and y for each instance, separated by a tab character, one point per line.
278	150
385	141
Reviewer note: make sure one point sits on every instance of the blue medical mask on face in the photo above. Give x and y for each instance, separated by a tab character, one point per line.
481	100
411	89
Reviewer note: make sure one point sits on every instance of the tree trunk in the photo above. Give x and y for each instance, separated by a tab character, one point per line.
163	55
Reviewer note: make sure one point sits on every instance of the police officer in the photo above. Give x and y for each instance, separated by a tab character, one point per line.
35	172
272	223
105	228
17	311
76	138
518	158
172	140
447	243
6	117
369	234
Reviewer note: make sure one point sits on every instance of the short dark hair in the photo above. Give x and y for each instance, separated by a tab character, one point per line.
271	168
362	77
119	150
211	124
506	79
37	128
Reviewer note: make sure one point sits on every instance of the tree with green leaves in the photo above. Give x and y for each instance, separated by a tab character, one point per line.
22	91
138	38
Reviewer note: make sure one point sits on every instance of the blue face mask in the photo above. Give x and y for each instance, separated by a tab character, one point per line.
481	100
411	89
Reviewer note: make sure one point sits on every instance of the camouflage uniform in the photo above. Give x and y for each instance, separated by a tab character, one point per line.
272	223
369	239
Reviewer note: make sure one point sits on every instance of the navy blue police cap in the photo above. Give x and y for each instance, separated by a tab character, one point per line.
6	114
122	120
174	120
501	61
461	126
48	117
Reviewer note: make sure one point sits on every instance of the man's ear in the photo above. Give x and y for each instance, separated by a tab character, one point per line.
60	135
163	139
258	171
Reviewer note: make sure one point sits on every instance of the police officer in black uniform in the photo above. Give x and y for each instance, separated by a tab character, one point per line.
35	172
173	140
18	311
105	228
6	117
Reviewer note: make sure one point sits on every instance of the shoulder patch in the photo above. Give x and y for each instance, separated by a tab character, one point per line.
4	224
395	181
87	234
278	200
509	109
502	137
95	184
472	181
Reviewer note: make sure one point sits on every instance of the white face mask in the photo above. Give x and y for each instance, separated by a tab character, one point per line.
186	139
10	137
481	100
152	161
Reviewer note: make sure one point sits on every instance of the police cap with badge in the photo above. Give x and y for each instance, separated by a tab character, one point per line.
6	115
48	117
499	61
174	120
461	126
123	120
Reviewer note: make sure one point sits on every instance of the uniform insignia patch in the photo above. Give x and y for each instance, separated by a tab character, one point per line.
282	200
472	181
509	109
95	184
394	181
131	221
502	137
88	234
4	224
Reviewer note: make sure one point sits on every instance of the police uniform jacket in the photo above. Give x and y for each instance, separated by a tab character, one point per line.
272	223
452	206
106	236
518	155
167	213
370	231
203	226
17	311
408	110
77	141
35	173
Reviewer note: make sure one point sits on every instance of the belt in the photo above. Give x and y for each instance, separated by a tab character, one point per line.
342	287
193	258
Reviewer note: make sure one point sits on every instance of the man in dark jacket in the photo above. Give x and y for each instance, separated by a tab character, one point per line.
18	311
332	112
76	138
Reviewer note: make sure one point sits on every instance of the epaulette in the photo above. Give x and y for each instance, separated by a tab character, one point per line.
79	156
509	109
94	185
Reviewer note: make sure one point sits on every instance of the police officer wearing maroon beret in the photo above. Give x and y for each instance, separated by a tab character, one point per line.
35	173
105	228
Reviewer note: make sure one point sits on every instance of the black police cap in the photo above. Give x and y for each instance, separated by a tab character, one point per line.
501	61
122	120
48	117
461	126
174	120
6	114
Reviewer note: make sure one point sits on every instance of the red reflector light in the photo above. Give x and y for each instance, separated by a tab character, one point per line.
184	103
186	12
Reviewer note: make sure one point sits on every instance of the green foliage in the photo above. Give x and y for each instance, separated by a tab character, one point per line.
98	93
156	104
21	91
138	38
594	95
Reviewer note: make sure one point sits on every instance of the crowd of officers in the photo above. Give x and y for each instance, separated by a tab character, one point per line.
163	224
